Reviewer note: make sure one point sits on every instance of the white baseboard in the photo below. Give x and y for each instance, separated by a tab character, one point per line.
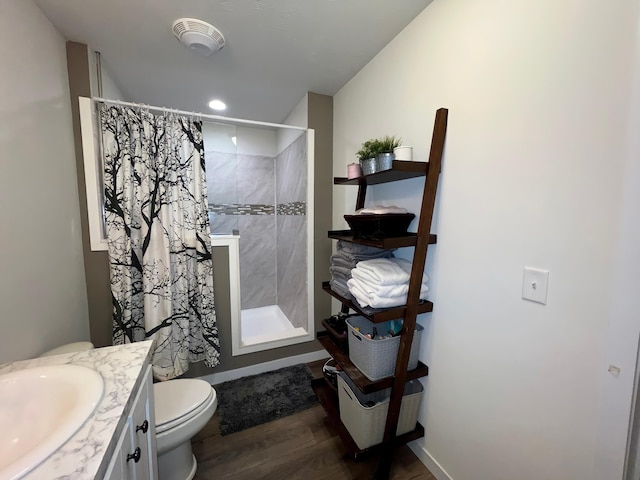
215	378
429	462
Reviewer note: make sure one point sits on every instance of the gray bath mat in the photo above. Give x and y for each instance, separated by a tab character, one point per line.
250	401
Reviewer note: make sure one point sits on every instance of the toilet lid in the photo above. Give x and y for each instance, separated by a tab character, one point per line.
177	398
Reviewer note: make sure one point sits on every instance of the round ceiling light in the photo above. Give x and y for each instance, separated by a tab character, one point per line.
200	37
218	105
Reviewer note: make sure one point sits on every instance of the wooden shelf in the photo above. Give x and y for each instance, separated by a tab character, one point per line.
362	382
409	312
408	240
401	170
329	400
377	315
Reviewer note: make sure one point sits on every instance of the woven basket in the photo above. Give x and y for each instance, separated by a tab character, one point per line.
375	358
366	423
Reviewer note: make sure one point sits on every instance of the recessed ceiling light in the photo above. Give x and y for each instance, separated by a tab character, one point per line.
217	105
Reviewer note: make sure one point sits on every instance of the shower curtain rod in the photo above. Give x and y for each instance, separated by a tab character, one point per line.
201	115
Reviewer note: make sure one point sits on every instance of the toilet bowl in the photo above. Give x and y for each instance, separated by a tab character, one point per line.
182	408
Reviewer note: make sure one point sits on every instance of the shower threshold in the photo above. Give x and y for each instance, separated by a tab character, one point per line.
264	325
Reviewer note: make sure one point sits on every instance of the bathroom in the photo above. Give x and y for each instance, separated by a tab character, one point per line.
83	309
540	169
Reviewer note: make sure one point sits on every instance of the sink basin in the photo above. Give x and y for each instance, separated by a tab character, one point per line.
40	409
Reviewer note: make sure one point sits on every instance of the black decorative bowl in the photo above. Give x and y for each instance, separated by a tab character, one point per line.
379	226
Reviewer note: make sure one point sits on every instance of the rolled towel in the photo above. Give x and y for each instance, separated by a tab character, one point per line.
387	290
374	301
384	271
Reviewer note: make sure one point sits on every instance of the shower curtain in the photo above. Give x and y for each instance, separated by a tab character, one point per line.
158	237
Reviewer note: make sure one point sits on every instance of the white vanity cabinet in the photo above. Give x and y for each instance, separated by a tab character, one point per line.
135	457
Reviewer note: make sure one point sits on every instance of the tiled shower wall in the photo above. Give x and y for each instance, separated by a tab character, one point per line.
291	197
241	192
265	199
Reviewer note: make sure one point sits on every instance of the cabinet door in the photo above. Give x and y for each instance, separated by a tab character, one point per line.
142	459
117	469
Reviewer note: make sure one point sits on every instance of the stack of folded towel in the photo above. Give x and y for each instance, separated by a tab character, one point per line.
383	282
345	259
380	210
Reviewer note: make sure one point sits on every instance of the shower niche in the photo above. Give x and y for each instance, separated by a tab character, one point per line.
260	206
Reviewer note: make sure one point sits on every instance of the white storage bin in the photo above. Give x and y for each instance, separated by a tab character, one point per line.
366	423
376	358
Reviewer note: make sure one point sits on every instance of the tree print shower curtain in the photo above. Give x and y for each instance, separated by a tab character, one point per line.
158	237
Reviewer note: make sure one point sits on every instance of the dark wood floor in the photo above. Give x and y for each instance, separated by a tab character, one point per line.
300	446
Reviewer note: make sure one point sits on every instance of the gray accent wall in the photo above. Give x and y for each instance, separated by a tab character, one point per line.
96	264
320	119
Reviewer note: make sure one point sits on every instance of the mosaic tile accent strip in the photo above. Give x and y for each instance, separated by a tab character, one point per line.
292	208
241	209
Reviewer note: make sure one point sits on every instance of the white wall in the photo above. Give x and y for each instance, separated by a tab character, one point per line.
537	152
299	117
42	287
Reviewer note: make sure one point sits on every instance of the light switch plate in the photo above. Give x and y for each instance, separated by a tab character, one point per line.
534	285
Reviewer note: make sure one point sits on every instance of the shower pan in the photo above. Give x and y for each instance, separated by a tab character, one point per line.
260	193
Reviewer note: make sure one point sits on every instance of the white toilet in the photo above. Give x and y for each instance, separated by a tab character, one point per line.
183	407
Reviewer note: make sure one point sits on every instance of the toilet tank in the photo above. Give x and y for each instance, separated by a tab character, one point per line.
69	348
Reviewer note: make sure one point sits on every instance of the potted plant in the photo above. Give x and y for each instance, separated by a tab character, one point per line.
376	154
367	156
385	153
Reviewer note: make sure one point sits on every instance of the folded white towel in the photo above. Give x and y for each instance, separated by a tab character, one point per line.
387	290
380	209
384	271
376	301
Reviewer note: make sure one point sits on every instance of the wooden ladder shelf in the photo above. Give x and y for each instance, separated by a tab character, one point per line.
420	240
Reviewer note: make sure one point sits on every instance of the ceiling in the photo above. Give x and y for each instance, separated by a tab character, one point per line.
276	50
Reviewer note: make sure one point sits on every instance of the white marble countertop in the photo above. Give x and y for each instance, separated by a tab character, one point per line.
86	455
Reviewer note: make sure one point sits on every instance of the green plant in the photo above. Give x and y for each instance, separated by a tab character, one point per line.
388	143
366	151
373	147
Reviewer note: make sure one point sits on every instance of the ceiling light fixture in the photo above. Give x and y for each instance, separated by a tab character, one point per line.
200	37
218	105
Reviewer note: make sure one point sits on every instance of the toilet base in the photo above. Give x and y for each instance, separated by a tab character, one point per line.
178	463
